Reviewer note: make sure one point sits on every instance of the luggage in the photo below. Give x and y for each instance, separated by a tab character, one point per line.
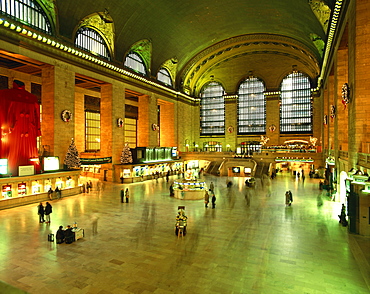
51	237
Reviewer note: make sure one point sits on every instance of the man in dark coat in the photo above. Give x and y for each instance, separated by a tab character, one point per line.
48	210
213	201
60	235
41	212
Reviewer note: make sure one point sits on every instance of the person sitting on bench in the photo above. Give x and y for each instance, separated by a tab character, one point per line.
60	235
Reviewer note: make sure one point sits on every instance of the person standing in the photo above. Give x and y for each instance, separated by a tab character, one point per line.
127	195
287	198
122	195
58	193
213	200
212	187
206	199
48	210
41	212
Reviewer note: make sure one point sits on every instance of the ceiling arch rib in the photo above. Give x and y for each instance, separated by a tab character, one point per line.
266	55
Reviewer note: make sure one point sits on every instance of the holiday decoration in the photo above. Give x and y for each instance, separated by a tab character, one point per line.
345	95
72	159
119	122
230	129
332	112
66	115
20	127
126	155
272	128
264	140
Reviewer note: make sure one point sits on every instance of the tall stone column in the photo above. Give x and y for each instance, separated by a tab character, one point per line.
58	86
359	64
167	125
147	137
231	127
112	107
273	119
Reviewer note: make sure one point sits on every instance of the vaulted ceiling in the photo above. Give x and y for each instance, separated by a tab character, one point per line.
224	41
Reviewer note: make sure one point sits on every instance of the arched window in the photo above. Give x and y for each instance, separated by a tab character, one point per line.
212	111
295	106
91	41
164	77
251	107
135	62
28	12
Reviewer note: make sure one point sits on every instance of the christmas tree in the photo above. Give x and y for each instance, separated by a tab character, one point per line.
72	160
126	155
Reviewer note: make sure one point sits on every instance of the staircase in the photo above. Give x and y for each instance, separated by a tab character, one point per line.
213	168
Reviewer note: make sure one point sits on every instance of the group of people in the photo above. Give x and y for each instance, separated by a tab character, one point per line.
44	212
288	198
210	194
67	235
58	193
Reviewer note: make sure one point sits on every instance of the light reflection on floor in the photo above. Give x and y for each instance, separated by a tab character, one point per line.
263	247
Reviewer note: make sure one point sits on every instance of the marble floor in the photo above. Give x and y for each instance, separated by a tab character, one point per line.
263	247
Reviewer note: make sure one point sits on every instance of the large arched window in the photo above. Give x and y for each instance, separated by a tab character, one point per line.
91	41
135	62
251	107
295	106
164	77
28	12
212	111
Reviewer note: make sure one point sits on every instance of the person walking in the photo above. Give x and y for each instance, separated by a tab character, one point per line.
127	195
206	199
48	210
213	200
122	195
41	212
50	193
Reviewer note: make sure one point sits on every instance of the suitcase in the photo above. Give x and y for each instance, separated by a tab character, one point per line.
51	237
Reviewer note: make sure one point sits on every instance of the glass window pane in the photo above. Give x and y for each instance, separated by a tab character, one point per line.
135	62
91	41
251	107
295	106
212	111
27	12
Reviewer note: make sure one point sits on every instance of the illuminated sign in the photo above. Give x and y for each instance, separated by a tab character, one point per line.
3	166
51	163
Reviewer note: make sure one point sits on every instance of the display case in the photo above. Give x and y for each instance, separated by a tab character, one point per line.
22	189
7	191
189	190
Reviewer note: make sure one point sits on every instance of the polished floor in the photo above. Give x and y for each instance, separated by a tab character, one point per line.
255	246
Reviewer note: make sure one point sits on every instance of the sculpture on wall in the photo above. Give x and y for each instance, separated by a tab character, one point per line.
20	127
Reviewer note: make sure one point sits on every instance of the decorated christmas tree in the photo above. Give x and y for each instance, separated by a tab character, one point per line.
72	159
126	155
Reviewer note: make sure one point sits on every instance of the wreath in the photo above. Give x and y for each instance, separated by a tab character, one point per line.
230	129
332	111
120	122
272	128
345	94
66	115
